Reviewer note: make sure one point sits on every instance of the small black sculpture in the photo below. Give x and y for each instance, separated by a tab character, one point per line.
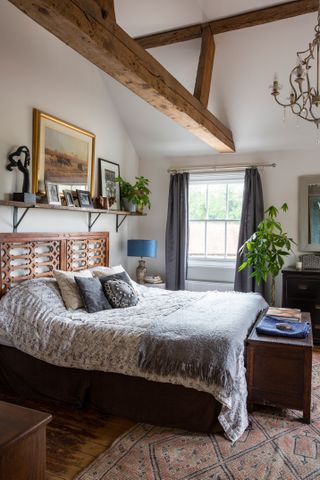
15	161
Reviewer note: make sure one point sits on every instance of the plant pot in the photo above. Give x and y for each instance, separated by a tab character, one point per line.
128	206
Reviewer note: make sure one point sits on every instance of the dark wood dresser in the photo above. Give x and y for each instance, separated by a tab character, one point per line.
279	371
301	289
22	443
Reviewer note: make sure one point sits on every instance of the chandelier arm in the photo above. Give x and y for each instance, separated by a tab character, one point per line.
304	98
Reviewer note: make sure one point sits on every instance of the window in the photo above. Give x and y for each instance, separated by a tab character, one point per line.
215	203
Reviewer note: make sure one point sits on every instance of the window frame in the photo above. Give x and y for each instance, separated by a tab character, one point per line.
206	179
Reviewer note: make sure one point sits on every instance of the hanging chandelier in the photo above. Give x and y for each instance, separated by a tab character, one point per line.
304	99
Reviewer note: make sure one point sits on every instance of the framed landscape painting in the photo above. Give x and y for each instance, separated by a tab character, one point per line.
109	188
63	154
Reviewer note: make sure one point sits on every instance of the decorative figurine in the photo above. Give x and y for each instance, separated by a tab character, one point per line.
21	159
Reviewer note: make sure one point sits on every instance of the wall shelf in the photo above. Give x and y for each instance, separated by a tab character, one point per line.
93	213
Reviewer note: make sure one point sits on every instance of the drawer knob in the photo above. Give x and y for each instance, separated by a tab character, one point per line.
302	286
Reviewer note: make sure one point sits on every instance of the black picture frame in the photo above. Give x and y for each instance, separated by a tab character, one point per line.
111	169
84	199
68	197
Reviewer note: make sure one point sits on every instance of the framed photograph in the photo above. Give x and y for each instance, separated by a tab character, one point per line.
68	196
62	154
109	188
52	191
84	199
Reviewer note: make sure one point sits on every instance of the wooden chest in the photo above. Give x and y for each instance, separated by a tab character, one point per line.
279	371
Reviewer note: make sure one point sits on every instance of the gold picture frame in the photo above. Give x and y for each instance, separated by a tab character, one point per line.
62	153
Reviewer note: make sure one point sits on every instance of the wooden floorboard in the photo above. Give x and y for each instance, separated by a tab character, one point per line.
74	437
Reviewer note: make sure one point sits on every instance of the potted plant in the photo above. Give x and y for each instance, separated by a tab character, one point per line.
135	197
126	191
265	250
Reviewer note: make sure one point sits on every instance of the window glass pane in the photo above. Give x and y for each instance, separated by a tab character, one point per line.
235	201
215	239
197	238
232	238
217	201
197	201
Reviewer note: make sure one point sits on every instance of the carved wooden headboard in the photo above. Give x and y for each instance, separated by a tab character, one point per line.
24	256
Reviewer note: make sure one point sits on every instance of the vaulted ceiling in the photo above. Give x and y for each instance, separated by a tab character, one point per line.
244	66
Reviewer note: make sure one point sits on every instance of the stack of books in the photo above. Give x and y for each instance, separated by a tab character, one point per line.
285	314
153	279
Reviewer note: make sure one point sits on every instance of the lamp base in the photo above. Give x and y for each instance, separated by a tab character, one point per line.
141	271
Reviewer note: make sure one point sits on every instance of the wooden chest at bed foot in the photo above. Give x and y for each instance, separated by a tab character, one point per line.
279	371
22	443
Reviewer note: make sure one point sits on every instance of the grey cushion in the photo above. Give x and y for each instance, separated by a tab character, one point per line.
92	294
120	294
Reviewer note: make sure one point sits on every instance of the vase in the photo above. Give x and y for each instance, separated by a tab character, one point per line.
128	205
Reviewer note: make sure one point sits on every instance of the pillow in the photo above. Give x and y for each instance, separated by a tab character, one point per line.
120	294
92	294
106	271
68	288
117	276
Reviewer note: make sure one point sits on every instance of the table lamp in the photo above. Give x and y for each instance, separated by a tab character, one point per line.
142	248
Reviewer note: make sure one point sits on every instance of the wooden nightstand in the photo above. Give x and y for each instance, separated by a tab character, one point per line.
279	371
22	443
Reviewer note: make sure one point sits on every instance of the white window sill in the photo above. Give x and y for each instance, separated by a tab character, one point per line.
205	263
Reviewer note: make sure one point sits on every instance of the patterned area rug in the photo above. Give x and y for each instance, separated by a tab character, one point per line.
276	446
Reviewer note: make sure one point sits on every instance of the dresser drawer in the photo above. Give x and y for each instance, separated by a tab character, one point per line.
303	288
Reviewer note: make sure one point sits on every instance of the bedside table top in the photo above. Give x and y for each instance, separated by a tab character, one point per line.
254	337
154	285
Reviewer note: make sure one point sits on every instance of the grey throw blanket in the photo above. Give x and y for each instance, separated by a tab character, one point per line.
202	342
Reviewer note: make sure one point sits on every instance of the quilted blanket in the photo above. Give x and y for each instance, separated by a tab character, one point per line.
34	319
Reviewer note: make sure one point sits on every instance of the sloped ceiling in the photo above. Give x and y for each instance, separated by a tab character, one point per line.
244	66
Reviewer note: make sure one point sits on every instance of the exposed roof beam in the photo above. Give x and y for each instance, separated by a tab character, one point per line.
205	67
116	53
244	20
101	10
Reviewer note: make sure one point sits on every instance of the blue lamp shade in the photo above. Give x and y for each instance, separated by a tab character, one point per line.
142	248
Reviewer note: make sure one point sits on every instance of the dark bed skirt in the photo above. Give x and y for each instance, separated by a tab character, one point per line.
132	397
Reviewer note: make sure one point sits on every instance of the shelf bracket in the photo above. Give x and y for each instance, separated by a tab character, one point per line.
121	222
16	220
92	222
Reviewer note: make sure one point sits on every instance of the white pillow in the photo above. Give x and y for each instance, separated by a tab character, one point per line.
69	289
106	271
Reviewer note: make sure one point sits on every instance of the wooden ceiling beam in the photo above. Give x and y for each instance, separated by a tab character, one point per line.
101	10
112	50
205	67
236	22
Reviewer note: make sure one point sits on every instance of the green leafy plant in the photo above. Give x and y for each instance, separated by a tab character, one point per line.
266	249
138	194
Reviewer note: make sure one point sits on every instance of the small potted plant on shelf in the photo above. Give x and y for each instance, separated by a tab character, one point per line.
265	250
135	197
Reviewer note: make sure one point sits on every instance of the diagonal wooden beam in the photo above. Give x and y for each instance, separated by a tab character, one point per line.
236	22
116	53
101	10
205	67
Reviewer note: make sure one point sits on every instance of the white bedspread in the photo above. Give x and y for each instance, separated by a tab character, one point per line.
33	318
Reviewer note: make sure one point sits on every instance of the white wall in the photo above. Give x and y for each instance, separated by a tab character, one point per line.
280	185
37	70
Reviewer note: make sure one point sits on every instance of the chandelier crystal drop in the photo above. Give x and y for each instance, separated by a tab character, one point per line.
304	99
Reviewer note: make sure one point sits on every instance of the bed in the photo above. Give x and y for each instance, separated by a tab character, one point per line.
175	359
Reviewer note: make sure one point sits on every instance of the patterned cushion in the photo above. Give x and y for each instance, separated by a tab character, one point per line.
117	276
120	294
68	288
92	294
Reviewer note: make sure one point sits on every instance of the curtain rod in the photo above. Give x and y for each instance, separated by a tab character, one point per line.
216	168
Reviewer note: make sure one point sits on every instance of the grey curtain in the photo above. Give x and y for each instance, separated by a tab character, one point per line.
177	232
252	214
